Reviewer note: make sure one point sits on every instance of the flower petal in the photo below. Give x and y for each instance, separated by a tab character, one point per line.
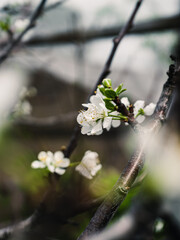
96	169
149	109
125	101
138	104
116	123
37	164
140	118
97	129
83	171
64	163
86	129
107	123
58	156
59	171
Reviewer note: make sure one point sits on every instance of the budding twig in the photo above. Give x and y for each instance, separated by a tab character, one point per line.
105	72
117	195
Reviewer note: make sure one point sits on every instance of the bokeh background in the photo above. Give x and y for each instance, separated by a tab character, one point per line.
47	78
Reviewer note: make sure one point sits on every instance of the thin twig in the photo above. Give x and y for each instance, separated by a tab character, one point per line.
117	195
79	36
105	72
17	40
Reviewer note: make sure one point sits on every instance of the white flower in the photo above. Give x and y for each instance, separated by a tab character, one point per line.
95	118
125	101
143	111
89	165
21	24
54	162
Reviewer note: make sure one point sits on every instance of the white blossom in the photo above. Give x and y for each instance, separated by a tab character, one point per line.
95	118
54	162
21	24
145	111
125	101
89	165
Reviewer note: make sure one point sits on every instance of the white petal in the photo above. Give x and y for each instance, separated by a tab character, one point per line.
116	123
149	109
140	118
107	123
125	101
37	164
51	168
97	129
138	104
96	169
86	129
58	155
60	171
96	100
83	171
42	155
64	163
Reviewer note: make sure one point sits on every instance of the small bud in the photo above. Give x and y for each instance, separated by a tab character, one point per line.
107	83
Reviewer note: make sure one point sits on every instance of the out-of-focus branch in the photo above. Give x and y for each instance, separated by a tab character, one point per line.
106	70
12	44
108	208
46	124
157	25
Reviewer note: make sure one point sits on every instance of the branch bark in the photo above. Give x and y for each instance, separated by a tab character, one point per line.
12	44
114	199
152	26
106	70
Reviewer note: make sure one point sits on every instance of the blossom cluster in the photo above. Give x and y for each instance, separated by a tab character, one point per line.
55	163
102	110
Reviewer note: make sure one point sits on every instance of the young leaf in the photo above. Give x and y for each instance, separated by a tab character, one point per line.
109	105
107	83
110	93
102	90
118	90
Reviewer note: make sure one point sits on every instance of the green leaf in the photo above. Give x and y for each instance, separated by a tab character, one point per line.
119	90
109	93
5	24
102	89
107	83
109	105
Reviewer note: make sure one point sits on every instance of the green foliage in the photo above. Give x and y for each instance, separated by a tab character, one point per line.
109	93
5	24
107	83
120	90
109	105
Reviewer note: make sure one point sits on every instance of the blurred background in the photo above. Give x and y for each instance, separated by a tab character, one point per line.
47	78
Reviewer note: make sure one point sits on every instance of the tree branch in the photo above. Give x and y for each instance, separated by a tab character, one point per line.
16	41
114	199
157	25
106	70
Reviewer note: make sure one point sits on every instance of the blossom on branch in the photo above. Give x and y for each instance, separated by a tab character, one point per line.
55	163
89	165
96	117
140	111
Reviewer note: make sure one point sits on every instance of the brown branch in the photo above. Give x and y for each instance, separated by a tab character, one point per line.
157	25
114	199
106	70
8	49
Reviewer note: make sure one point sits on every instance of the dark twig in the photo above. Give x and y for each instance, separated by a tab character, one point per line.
152	26
106	70
114	199
17	40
